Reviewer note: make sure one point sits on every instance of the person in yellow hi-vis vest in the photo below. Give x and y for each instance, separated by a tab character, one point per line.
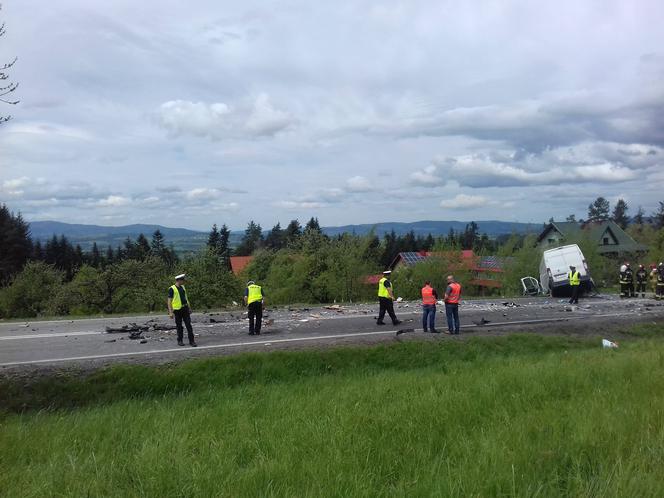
180	309
385	299
254	299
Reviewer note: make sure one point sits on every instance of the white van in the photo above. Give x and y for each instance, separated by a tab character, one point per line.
555	267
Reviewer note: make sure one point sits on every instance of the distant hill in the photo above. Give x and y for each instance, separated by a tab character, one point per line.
185	240
182	239
492	228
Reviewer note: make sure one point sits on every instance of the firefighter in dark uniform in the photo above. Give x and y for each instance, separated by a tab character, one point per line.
254	299
629	276
386	299
623	281
659	289
179	308
641	279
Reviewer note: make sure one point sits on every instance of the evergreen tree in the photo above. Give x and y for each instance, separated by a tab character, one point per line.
213	239
293	231
110	257
313	225
38	251
142	247
253	236
620	214
659	216
15	244
638	218
224	250
157	245
599	210
470	236
95	256
275	238
571	218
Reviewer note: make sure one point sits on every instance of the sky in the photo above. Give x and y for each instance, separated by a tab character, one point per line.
193	113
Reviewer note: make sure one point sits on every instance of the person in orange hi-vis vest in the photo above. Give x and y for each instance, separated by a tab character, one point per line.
452	298
429	298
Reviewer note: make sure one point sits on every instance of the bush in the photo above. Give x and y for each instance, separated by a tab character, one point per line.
31	291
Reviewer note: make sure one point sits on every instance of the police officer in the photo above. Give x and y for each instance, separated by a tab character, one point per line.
659	290
629	276
179	308
254	299
452	298
641	279
575	283
623	281
429	298
386	299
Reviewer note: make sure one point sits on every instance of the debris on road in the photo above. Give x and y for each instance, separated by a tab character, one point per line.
481	322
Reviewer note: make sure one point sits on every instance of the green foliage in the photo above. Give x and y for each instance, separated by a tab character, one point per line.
508	416
209	283
524	262
31	291
316	269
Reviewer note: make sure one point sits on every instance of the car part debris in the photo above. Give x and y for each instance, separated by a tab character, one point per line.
481	322
404	331
609	344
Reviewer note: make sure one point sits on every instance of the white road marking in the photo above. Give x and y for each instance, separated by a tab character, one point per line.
46	336
278	341
199	348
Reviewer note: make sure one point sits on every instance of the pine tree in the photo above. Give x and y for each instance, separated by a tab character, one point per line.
142	247
275	238
313	225
638	218
38	251
293	232
15	244
157	245
599	210
253	236
659	216
213	239
620	214
95	256
110	257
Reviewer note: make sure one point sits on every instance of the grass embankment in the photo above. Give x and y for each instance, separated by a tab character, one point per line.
519	415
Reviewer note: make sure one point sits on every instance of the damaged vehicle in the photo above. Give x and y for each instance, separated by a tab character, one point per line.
554	268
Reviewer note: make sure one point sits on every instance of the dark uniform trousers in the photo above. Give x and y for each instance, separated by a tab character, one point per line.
255	315
183	315
386	304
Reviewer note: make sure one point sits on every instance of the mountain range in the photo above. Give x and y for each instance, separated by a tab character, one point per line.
184	239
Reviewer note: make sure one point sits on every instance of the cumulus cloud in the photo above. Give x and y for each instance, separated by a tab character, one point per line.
299	205
598	164
358	184
219	120
114	201
464	201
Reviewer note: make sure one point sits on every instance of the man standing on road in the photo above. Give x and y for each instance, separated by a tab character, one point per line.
179	308
623	282
653	278
575	284
629	276
641	279
659	289
452	298
429	298
386	299
253	299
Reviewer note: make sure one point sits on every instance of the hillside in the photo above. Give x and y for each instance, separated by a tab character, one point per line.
184	239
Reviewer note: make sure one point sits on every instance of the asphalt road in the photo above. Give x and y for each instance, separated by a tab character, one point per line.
83	341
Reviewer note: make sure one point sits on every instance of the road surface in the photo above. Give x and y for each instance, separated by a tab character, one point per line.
86	341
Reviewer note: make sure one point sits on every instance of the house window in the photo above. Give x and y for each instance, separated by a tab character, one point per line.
606	241
551	241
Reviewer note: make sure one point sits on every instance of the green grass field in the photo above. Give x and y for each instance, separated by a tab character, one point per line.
511	416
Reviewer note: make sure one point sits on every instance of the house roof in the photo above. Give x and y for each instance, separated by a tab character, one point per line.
411	258
595	230
239	263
